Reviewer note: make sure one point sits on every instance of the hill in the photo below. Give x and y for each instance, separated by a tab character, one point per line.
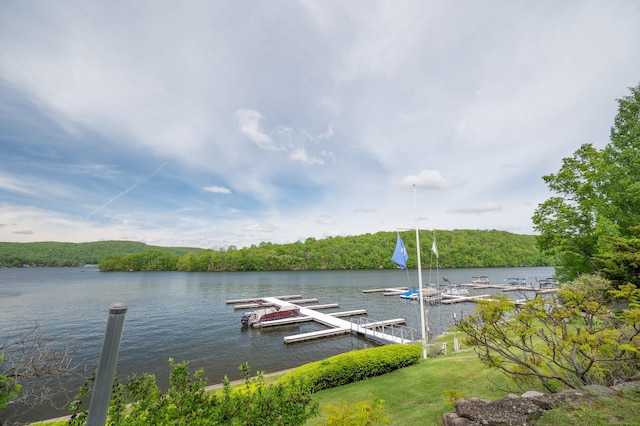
51	253
456	249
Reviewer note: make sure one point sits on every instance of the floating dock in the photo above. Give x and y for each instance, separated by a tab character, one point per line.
265	304
387	290
253	299
450	300
402	335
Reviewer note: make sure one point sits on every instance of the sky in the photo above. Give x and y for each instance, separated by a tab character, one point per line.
214	123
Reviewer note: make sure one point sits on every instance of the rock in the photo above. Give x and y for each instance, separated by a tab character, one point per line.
452	419
511	410
503	412
626	385
598	390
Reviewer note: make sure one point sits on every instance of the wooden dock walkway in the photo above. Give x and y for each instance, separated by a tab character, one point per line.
450	300
266	304
337	326
386	290
253	299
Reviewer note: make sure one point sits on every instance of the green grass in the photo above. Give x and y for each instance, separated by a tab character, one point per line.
417	395
622	409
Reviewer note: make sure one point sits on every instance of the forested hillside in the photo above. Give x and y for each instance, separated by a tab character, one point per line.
74	254
458	248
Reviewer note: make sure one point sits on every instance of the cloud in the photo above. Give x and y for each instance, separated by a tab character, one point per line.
326	220
344	117
217	189
249	125
260	228
477	209
300	154
426	179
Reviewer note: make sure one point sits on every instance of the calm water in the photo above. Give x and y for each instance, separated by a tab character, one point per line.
184	315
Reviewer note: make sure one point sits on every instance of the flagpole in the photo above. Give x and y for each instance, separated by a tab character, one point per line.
424	342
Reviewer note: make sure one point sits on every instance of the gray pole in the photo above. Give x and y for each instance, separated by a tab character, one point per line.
101	396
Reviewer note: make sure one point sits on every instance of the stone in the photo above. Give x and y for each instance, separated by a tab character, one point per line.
598	390
503	412
452	419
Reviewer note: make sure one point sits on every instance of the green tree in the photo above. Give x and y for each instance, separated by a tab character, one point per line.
141	402
577	342
598	196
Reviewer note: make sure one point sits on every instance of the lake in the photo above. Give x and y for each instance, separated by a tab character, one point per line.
184	315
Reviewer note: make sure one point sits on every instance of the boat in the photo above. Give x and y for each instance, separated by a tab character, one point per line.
269	313
482	280
455	290
517	281
410	294
547	283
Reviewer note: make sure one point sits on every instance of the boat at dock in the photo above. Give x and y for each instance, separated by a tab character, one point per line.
517	281
481	280
270	313
455	290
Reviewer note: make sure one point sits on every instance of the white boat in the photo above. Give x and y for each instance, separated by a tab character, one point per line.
269	313
482	280
517	281
455	290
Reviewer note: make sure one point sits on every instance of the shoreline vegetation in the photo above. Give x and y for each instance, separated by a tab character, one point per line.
421	393
456	249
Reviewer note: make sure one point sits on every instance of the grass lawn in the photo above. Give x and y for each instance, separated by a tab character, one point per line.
416	395
420	394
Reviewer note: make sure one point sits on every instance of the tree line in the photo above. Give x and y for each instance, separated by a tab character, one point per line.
49	253
458	248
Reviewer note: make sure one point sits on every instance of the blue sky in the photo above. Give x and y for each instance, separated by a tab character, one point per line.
209	123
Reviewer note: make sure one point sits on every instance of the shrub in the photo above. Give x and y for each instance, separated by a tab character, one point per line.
354	366
186	402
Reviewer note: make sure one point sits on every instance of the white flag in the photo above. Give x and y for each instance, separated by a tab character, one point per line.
434	248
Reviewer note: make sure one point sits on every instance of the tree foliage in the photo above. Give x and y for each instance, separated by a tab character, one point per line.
140	401
74	254
458	248
598	196
567	343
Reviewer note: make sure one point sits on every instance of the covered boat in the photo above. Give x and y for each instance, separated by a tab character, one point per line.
270	313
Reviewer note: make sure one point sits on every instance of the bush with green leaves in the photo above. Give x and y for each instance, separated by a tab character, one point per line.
187	402
578	342
8	388
354	366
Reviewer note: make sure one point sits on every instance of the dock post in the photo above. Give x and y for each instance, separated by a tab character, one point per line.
101	394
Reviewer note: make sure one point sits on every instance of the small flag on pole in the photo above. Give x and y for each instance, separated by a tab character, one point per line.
400	254
434	248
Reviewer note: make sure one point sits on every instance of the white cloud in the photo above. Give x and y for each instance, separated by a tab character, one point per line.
426	179
217	189
367	99
260	228
477	209
300	154
249	125
326	220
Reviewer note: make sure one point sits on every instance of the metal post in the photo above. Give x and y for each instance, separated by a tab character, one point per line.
101	396
421	296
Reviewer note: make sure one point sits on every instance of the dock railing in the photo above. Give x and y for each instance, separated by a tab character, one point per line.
403	332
